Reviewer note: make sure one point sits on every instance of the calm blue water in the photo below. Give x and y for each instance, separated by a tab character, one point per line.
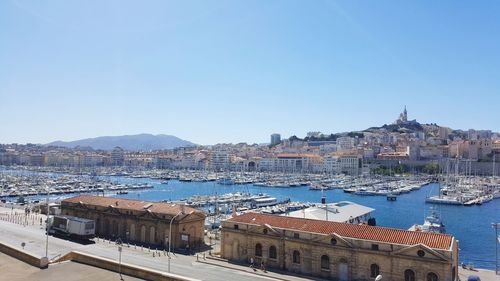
470	225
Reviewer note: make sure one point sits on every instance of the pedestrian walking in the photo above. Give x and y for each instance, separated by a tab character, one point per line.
252	263
263	266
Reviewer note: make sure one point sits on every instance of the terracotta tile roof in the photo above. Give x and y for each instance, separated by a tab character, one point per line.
365	232
128	204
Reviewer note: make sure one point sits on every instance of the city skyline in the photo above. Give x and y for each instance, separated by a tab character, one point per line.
304	134
229	72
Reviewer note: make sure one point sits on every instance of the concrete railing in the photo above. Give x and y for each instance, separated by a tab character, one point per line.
126	269
95	261
41	262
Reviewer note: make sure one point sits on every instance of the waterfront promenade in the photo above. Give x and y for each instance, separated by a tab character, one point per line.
15	231
484	274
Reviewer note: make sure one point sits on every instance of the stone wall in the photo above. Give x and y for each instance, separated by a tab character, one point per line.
23	256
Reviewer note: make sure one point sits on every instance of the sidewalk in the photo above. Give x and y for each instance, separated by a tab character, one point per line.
484	274
272	273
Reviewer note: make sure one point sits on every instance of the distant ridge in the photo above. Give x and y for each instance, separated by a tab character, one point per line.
141	142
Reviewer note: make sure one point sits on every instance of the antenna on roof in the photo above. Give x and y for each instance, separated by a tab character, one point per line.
323	201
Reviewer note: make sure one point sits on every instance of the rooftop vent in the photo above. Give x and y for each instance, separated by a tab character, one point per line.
148	206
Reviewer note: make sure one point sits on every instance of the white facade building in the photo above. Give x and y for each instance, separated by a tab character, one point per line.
345	143
220	160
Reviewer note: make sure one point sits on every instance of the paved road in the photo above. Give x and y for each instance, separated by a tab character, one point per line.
34	238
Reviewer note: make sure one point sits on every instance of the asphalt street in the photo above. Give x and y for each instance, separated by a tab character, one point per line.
16	232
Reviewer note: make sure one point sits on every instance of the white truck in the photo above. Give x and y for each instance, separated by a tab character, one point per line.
72	227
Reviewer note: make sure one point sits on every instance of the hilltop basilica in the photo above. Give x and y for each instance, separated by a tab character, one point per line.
403	118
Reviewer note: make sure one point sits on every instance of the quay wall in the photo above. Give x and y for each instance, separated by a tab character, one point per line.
126	269
23	256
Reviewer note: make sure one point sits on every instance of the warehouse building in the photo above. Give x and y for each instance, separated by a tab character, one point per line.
140	222
339	251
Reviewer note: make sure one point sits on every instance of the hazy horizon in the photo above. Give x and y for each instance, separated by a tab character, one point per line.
228	72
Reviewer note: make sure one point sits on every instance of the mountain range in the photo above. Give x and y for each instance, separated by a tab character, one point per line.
140	142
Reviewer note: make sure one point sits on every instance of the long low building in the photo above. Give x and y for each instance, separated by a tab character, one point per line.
138	221
343	211
339	251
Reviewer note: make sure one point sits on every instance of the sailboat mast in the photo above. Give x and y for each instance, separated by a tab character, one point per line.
457	178
494	170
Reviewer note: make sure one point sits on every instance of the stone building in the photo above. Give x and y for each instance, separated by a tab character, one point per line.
339	251
140	221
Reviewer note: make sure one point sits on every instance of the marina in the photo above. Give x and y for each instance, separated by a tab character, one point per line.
460	187
16	185
470	225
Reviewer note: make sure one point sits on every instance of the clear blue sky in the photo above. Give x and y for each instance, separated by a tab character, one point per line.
234	71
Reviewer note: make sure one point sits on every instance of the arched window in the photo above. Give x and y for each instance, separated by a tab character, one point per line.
114	228
106	227
325	262
374	270
296	256
152	235
409	275
131	235
258	250
431	276
143	234
272	252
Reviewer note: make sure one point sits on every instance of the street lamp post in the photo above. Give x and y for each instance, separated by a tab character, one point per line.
47	226
119	243
170	238
497	240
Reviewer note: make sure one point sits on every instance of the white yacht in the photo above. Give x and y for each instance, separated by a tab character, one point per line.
432	223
